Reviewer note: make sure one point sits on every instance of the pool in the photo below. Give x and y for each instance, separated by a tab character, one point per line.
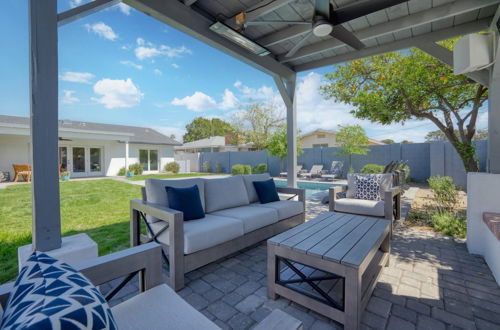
310	187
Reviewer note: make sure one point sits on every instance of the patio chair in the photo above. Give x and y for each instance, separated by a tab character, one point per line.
334	172
23	170
343	199
315	171
299	170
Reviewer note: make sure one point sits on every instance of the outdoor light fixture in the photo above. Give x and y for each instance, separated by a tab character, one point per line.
241	40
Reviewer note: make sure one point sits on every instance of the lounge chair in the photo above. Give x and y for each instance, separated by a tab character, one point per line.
23	170
315	171
334	172
299	170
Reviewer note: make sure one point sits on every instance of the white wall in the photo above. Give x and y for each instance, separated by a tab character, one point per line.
310	140
14	149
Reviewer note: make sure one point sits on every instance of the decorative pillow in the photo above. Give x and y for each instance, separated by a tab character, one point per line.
367	187
266	190
50	294
187	200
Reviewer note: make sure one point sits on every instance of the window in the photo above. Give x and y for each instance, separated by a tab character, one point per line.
320	145
148	159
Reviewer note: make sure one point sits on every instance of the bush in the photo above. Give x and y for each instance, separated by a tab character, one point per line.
136	168
449	224
445	193
372	169
122	172
219	168
173	167
259	169
206	167
241	169
248	169
407	171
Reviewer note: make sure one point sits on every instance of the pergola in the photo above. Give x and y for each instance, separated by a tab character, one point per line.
415	23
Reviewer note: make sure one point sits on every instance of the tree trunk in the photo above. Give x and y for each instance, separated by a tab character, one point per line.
470	164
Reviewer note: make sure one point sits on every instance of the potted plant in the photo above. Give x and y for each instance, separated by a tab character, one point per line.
130	173
65	175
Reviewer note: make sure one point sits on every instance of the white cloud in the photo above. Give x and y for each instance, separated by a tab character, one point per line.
75	3
197	102
102	30
117	93
124	8
262	93
68	97
175	65
145	50
132	64
229	100
158	72
78	77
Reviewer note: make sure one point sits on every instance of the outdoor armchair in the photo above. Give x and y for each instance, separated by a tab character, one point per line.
23	170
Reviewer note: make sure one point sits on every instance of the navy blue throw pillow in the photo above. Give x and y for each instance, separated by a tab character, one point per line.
266	190
187	200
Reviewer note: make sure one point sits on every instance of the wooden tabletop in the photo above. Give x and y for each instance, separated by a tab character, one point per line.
338	237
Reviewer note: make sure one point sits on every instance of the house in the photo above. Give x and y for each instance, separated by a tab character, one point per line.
89	149
212	144
321	138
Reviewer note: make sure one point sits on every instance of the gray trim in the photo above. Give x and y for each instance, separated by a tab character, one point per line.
82	11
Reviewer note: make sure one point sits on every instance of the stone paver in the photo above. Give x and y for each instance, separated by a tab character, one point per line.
431	283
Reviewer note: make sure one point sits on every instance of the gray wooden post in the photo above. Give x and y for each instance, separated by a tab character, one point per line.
494	116
44	125
286	88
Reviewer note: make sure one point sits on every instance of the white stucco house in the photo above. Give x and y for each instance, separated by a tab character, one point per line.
89	149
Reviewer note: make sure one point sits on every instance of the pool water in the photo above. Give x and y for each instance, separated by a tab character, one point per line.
310	187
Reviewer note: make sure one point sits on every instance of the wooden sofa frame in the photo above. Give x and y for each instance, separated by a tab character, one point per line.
179	263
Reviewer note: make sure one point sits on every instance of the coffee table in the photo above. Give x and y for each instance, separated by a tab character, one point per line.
329	264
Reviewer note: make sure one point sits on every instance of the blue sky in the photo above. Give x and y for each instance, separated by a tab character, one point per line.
120	66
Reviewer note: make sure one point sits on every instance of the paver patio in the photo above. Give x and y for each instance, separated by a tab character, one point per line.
432	283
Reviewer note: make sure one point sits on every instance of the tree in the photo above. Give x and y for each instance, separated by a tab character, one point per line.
202	128
172	136
406	142
257	123
388	141
396	87
352	141
278	145
481	134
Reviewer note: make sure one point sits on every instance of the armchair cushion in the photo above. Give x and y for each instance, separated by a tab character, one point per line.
187	200
266	190
367	187
225	193
360	206
252	217
50	294
285	208
249	179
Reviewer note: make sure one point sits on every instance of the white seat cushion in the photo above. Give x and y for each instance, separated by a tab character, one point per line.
249	179
360	206
156	192
286	209
252	217
159	308
225	193
203	233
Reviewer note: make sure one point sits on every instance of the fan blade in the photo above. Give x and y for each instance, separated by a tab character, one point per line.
299	44
341	33
275	22
322	8
359	9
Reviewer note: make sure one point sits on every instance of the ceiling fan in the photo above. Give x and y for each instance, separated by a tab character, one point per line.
327	21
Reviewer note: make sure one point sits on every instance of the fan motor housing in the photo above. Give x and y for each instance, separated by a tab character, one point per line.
322	27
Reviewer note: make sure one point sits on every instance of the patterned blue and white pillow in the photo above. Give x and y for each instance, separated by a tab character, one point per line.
368	187
50	294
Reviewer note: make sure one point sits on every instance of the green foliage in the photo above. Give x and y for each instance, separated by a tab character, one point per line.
259	169
278	144
449	224
445	193
352	141
437	135
136	168
372	169
206	167
406	167
388	141
241	169
122	171
219	168
173	167
202	128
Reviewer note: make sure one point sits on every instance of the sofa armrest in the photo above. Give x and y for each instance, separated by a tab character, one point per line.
301	193
332	192
392	200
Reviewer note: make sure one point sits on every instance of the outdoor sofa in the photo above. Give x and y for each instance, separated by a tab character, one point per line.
234	220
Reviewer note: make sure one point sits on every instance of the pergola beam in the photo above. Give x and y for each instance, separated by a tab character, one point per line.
183	18
84	10
398	45
189	2
400	24
44	125
259	9
446	56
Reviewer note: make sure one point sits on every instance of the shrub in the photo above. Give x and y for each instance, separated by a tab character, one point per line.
122	172
449	224
372	169
136	168
247	169
259	169
219	168
238	169
206	167
445	193
407	171
173	167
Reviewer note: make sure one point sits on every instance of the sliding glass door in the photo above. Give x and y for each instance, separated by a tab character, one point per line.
148	159
81	161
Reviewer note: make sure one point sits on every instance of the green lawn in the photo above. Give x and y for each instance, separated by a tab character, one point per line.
168	176
99	208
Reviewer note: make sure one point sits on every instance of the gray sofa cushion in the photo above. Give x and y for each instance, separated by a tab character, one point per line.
253	217
360	206
249	179
286	209
156	193
159	308
385	184
204	233
225	193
